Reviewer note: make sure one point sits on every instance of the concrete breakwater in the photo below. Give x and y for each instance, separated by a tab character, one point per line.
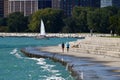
63	59
51	34
80	67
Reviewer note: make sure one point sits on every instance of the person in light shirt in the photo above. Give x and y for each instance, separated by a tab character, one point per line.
67	46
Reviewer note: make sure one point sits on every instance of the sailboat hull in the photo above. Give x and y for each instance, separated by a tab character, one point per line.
41	36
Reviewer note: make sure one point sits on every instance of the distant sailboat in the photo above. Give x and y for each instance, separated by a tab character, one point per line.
42	30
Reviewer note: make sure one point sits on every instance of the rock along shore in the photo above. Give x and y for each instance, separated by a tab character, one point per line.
50	35
34	52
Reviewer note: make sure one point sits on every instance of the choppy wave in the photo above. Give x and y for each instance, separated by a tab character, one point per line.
56	75
44	65
55	78
40	61
16	53
26	69
59	78
49	68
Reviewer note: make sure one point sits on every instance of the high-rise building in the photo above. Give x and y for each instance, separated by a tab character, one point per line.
116	3
105	3
56	4
26	6
44	4
5	8
1	8
30	6
67	5
89	3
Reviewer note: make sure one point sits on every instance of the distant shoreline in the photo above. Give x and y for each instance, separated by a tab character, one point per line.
51	35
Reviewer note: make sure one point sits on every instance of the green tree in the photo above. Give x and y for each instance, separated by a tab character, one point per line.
113	23
93	20
98	21
111	10
51	17
17	22
3	24
3	21
104	23
80	15
118	28
70	25
103	20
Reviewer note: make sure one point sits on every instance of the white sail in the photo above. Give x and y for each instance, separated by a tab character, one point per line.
42	29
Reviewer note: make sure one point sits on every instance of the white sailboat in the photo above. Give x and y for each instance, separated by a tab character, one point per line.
42	30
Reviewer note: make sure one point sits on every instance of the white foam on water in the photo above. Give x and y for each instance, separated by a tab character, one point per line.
18	55
29	75
67	67
40	61
49	68
58	74
55	78
54	71
15	52
44	65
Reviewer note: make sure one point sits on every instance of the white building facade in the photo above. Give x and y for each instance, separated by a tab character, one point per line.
105	3
26	6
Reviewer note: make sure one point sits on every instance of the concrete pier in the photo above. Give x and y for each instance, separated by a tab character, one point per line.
34	52
51	35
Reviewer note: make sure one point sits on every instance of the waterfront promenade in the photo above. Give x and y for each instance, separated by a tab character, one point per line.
105	50
97	57
100	48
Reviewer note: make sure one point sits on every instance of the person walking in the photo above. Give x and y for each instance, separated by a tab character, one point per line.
63	45
67	46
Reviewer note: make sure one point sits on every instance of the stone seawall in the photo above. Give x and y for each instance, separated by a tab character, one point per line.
82	66
63	59
51	34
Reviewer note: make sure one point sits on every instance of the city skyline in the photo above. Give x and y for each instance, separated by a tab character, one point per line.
26	6
30	6
1	8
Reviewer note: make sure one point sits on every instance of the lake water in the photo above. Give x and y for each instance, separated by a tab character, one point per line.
15	66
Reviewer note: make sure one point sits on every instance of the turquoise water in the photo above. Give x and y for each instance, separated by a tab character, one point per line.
15	66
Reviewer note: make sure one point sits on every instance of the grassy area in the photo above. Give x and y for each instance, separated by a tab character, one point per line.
114	36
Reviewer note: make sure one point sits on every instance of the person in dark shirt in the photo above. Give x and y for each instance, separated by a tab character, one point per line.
63	45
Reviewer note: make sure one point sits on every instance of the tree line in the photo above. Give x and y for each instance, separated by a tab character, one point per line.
83	19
